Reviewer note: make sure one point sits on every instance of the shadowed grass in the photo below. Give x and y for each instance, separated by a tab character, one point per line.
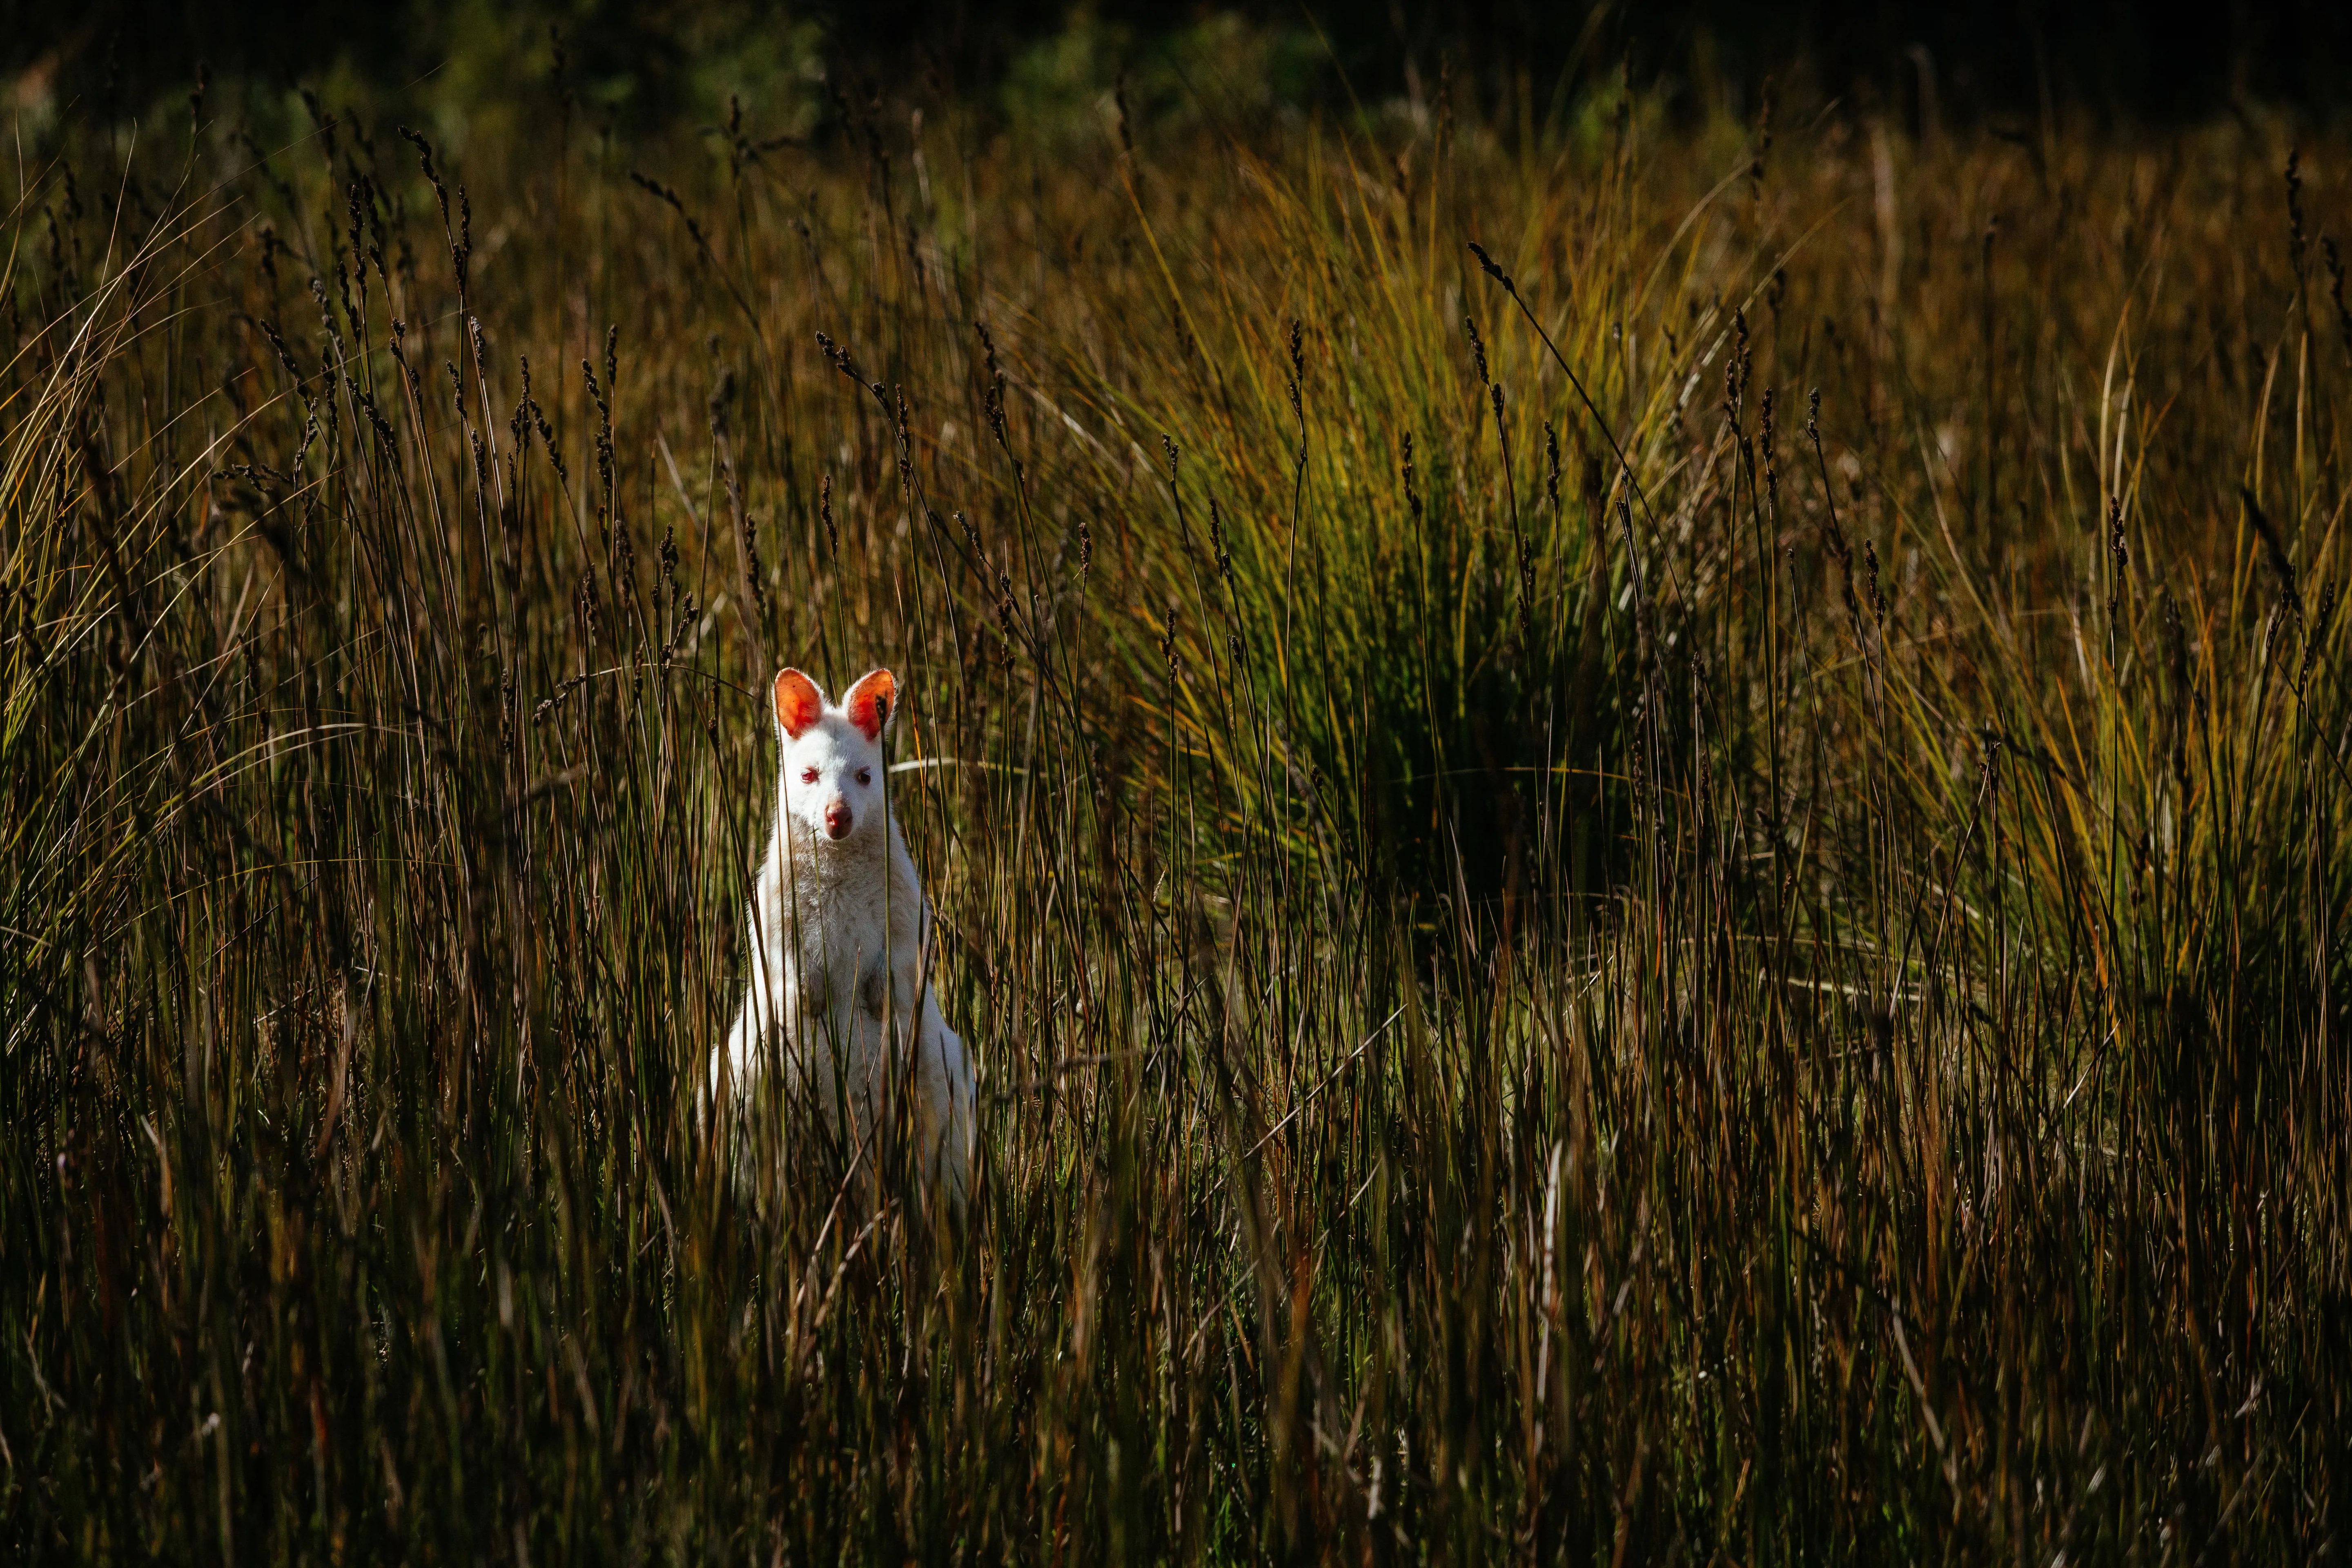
1617	969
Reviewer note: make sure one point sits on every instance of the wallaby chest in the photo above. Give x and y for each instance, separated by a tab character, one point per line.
846	934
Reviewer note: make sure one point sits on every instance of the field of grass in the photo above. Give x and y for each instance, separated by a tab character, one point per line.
1672	892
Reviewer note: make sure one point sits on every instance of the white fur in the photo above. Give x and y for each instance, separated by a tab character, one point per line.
827	916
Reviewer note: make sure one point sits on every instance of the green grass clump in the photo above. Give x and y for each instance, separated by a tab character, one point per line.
1676	897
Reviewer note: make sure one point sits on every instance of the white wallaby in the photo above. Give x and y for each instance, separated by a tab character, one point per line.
842	942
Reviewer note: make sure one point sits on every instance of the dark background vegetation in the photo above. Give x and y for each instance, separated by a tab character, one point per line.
2013	60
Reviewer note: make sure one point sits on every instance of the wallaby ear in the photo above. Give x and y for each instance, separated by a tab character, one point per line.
799	702
872	702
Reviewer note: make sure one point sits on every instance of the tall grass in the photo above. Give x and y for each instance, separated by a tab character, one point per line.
1675	897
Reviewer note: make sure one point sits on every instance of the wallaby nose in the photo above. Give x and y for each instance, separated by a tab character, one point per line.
838	820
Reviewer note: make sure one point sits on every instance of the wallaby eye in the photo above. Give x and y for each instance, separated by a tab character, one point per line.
808	775
865	776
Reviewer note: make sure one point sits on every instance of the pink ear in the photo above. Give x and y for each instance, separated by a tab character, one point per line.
871	702
799	703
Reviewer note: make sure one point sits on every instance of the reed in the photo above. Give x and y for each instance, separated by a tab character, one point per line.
1666	888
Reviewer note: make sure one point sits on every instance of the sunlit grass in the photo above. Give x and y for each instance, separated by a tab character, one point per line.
1624	967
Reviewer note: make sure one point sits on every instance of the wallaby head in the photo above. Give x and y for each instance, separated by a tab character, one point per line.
832	780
